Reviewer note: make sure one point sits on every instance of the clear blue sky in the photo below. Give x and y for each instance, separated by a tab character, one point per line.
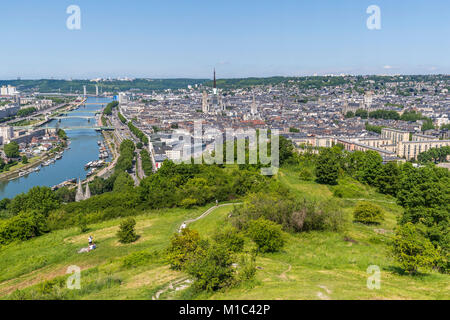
188	38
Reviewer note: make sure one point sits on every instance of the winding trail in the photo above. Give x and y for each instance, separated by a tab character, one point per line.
184	283
204	214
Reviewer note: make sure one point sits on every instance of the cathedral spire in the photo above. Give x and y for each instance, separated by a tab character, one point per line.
79	196
215	84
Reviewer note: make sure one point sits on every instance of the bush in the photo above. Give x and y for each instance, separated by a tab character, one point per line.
323	216
306	174
126	232
82	224
348	190
21	227
366	212
247	268
412	250
212	268
231	238
182	247
266	234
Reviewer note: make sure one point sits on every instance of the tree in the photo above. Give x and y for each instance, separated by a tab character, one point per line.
82	224
231	238
123	183
127	233
412	250
366	212
349	114
12	150
327	167
24	159
286	150
266	234
182	248
212	268
22	227
39	199
388	179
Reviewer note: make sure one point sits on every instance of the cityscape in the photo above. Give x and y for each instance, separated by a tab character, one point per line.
230	182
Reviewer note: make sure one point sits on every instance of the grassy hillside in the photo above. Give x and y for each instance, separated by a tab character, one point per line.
312	265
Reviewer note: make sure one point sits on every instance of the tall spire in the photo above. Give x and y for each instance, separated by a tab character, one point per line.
215	84
87	194
79	195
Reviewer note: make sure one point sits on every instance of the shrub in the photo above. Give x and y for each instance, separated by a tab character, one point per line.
212	268
182	247
412	250
23	226
82	224
266	234
306	174
127	233
323	216
368	213
247	268
231	238
348	190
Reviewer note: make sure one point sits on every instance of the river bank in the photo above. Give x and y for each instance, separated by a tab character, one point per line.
84	148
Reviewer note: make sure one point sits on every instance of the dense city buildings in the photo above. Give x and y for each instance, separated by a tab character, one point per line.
362	113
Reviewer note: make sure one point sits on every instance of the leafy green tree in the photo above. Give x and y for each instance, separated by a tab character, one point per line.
212	268
266	234
231	238
82	224
12	150
39	199
24	159
23	226
368	213
362	113
327	167
306	174
286	150
412	250
349	114
388	179
127	233
427	125
123	183
198	189
65	195
183	247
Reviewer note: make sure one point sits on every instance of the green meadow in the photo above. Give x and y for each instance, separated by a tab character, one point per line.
312	265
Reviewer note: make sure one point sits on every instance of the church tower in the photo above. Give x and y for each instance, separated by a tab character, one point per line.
87	194
79	196
215	84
